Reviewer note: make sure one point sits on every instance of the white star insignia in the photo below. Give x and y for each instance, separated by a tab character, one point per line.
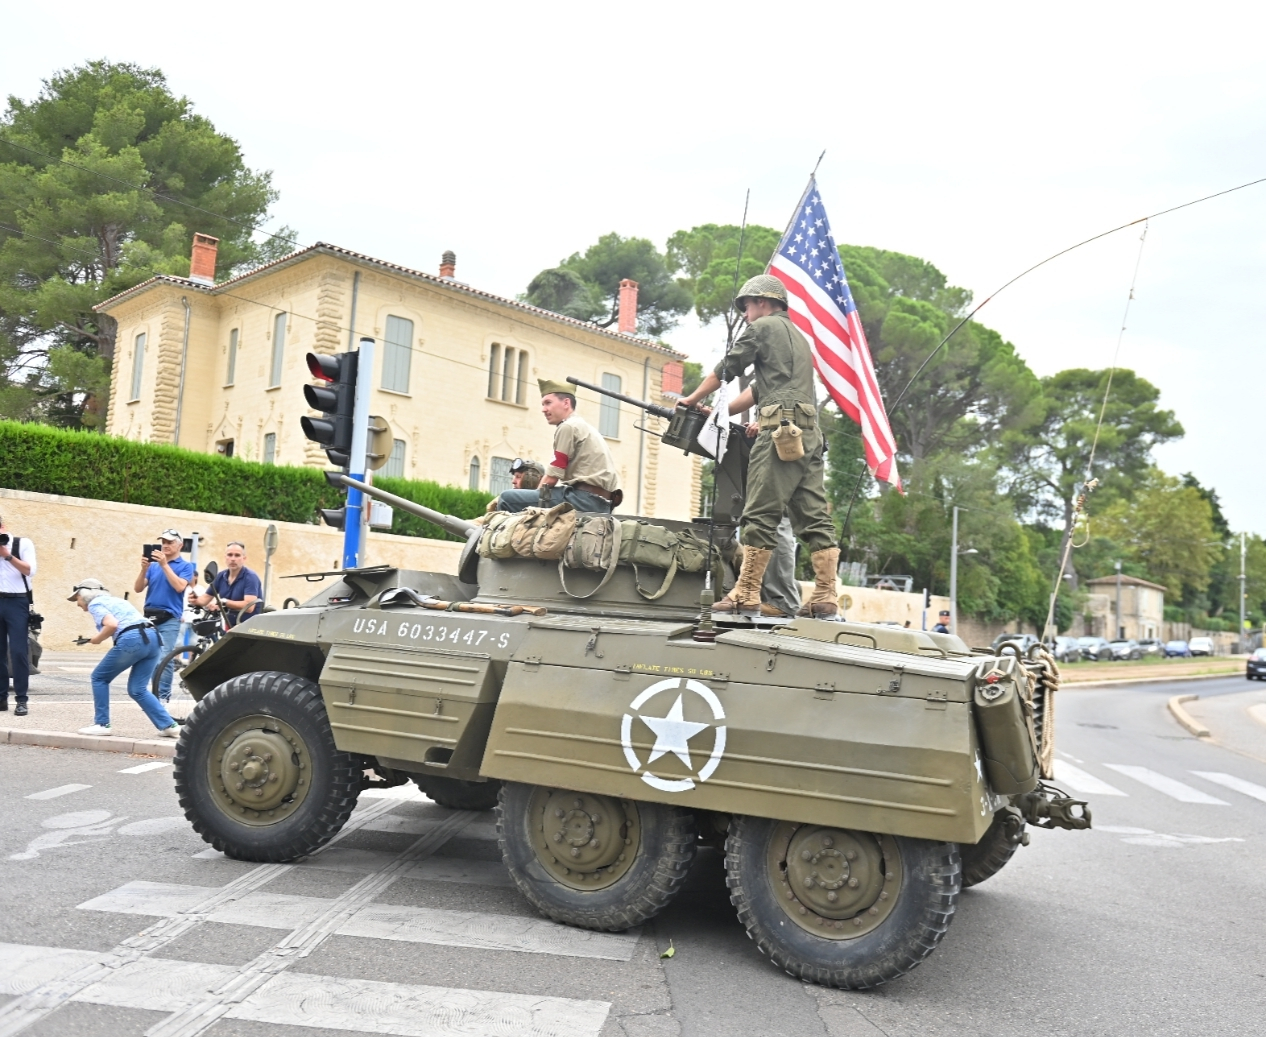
672	734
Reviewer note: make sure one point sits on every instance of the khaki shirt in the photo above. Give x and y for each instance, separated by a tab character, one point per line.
781	357
581	455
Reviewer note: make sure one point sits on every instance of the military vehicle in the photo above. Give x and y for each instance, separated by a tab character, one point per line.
856	776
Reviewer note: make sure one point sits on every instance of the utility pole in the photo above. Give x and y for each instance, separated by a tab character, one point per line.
954	575
1243	593
352	524
1120	625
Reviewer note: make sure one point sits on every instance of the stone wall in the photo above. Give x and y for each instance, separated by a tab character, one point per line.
77	538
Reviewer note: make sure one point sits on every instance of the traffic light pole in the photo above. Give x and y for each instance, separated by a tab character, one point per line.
352	525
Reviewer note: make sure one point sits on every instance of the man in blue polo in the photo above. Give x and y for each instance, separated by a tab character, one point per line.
238	587
165	577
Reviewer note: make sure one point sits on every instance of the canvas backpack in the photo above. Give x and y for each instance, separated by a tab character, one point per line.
646	545
595	545
692	552
543	532
494	541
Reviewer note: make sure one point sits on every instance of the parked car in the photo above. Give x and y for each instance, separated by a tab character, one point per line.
1151	646
1126	648
1201	645
1066	650
1096	649
1257	665
1023	641
1173	648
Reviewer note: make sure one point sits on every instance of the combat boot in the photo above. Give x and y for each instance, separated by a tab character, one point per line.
745	597
823	603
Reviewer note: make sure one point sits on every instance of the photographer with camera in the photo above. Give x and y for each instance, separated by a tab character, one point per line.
165	577
17	566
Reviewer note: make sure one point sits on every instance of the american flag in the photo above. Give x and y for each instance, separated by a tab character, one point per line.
821	305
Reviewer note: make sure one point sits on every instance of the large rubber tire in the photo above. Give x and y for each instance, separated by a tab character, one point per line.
459	795
910	922
319	782
986	858
660	852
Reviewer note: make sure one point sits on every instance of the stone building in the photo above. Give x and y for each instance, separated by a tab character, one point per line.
1142	608
220	368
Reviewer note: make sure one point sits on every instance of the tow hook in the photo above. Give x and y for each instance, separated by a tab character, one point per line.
1049	807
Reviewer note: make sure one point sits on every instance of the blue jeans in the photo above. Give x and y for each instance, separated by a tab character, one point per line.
581	500
169	634
130	650
13	635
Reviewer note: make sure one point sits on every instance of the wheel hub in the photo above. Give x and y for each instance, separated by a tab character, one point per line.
582	840
834	882
261	770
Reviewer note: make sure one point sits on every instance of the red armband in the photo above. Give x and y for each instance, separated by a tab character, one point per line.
560	460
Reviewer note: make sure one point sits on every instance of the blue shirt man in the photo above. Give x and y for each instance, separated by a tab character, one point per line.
165	577
238	587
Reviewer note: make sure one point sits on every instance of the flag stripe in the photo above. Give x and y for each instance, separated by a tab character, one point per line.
821	306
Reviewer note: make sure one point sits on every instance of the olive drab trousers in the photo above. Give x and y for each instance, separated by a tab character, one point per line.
775	486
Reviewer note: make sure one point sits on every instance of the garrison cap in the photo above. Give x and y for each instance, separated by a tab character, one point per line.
762	286
561	388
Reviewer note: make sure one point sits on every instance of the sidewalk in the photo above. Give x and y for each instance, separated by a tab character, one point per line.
1237	721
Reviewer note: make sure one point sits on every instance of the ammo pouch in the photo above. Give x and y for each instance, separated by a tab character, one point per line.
642	543
494	541
542	532
804	415
594	545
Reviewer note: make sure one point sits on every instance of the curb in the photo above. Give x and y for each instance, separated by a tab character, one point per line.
100	743
1185	718
1074	685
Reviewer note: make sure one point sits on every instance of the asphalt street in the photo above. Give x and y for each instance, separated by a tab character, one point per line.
1149	924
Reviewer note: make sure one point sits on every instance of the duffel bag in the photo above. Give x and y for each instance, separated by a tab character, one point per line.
595	545
646	545
494	541
543	532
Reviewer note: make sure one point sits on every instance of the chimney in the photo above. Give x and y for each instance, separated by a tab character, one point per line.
448	264
671	378
628	307
202	262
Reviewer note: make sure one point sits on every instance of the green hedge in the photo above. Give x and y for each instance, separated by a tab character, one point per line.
42	459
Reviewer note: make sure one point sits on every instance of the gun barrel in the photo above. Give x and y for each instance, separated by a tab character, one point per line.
650	408
457	526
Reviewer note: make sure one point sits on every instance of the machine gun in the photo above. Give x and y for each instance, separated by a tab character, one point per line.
684	425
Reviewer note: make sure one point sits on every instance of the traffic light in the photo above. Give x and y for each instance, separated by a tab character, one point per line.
337	398
336	517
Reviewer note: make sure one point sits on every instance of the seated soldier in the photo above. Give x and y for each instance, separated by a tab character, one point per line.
582	472
525	474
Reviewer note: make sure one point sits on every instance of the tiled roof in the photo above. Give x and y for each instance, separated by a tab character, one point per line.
1126	581
323	248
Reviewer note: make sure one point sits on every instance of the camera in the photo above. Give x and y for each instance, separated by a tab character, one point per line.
35	622
4	539
149	549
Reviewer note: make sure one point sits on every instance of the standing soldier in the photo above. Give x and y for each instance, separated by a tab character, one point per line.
582	472
783	387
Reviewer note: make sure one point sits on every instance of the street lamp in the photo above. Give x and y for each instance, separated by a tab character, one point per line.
954	553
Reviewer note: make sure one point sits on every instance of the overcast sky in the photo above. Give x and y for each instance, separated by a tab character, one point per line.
982	137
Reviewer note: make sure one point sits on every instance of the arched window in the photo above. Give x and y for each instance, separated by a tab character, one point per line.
474	473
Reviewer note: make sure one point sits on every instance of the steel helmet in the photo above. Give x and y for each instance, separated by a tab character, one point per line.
762	286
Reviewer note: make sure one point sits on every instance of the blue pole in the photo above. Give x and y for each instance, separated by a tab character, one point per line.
352	524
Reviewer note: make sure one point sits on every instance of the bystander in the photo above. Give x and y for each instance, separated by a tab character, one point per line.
237	587
17	566
136	647
165	577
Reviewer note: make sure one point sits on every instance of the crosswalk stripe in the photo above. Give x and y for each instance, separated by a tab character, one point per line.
480	930
1230	781
1170	787
61	790
1081	781
141	768
300	999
